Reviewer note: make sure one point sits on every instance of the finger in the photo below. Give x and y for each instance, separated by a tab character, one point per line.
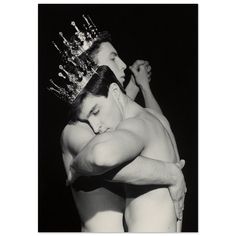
181	164
149	76
146	65
134	70
181	203
177	210
143	68
181	215
148	68
138	63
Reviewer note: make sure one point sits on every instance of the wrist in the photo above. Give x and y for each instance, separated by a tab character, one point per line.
145	87
132	90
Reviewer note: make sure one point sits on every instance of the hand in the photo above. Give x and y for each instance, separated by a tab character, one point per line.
178	189
142	72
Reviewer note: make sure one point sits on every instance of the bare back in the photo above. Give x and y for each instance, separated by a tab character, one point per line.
151	207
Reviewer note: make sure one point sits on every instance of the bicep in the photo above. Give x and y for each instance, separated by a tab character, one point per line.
121	145
126	145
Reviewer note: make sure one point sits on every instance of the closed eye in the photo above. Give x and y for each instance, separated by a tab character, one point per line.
95	112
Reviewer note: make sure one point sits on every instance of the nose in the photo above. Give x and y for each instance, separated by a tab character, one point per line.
122	65
95	124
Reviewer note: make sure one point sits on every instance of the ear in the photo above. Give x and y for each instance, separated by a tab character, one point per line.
115	91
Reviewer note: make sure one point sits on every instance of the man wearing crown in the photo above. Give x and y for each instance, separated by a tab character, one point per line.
84	155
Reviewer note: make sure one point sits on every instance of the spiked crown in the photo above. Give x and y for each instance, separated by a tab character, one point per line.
77	66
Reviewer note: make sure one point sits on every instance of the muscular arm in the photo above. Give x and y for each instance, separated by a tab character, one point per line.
137	171
150	101
132	89
145	171
109	150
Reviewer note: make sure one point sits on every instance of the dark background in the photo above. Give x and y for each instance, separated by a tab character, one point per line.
166	36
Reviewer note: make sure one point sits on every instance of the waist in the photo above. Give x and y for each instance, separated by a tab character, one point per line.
149	206
144	200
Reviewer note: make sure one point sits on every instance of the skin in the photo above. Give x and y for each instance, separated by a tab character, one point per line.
121	123
141	70
74	138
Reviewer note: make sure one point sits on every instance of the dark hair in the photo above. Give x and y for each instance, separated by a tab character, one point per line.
102	37
98	85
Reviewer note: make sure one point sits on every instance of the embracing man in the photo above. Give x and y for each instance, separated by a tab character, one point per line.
103	202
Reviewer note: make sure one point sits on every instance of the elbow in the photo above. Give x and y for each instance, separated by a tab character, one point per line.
102	156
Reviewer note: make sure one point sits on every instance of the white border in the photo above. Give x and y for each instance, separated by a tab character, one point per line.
18	198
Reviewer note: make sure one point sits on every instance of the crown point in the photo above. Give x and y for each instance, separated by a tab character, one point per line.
64	39
61	75
86	20
80	70
56	46
76	28
70	60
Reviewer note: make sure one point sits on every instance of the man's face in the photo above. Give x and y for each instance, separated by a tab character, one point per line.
108	56
102	113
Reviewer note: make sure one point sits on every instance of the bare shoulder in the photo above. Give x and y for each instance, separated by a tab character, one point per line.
158	116
135	124
75	136
154	113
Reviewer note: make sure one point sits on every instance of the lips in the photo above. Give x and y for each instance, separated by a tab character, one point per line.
122	79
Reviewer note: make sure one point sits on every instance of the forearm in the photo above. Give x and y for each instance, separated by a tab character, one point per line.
132	89
105	152
150	101
87	163
144	171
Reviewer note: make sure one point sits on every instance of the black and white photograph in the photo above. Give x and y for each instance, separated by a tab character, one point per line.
118	118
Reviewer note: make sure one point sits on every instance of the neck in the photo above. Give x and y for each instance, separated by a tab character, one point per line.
130	108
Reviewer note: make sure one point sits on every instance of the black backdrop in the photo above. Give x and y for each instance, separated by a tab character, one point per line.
166	36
